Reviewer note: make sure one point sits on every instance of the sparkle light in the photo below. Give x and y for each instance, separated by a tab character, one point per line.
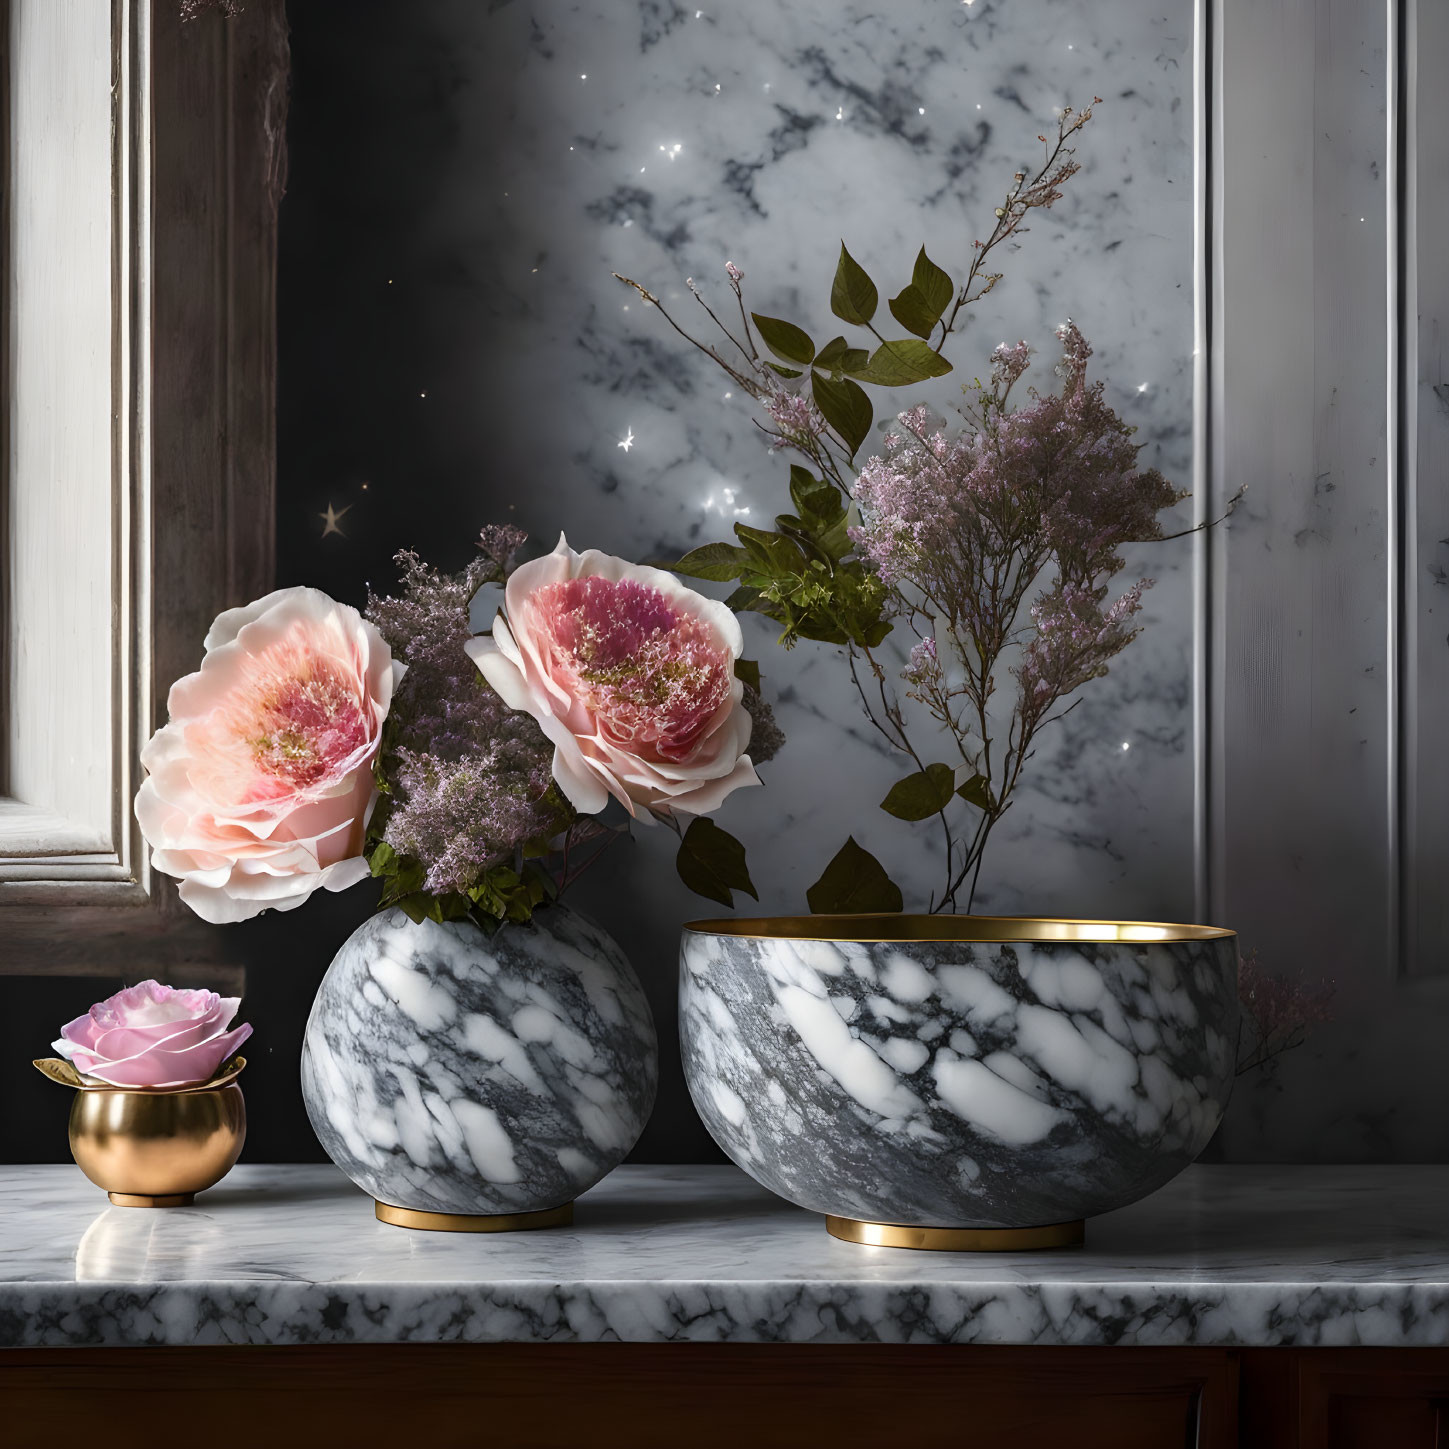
1143	386
332	518
1126	744
840	114
671	150
921	109
627	441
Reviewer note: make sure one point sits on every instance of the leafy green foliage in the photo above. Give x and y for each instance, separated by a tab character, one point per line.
903	362
718	562
977	791
853	882
787	341
923	794
853	297
918	307
844	405
837	357
711	862
800	574
747	671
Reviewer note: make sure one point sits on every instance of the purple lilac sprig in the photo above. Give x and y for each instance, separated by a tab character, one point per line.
467	782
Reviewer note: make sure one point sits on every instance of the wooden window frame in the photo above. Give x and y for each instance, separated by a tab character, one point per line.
197	123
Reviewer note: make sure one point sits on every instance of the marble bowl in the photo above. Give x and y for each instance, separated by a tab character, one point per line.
959	1081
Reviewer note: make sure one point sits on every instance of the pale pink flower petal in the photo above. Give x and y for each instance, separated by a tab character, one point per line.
150	1035
259	787
630	674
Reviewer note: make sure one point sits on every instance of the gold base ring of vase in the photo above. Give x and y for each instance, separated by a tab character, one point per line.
958	1240
157	1148
556	1217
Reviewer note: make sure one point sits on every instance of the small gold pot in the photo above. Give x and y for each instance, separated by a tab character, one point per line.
155	1147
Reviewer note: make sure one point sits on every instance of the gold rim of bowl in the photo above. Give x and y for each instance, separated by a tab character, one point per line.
876	928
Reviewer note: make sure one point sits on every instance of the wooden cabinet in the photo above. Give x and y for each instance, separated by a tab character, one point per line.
724	1396
1349	1398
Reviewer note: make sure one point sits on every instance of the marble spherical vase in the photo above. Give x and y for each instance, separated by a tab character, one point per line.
474	1082
959	1082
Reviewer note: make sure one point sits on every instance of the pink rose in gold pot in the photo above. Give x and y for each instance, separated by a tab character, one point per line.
260	786
630	674
153	1036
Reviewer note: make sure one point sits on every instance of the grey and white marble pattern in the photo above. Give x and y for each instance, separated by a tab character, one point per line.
959	1084
657	140
1253	1256
447	1071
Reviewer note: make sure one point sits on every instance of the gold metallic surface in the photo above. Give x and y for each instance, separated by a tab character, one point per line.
157	1145
958	1240
896	929
558	1217
136	1199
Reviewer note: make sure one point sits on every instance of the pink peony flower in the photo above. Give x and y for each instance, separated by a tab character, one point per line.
260	786
153	1036
630	674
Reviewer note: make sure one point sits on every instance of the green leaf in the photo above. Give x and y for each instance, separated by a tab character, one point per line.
747	671
785	339
925	793
853	297
742	600
837	357
814	498
910	308
853	882
977	791
933	284
900	363
776	555
383	860
784	371
719	562
845	406
711	862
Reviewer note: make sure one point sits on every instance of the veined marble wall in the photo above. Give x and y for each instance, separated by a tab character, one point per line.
466	177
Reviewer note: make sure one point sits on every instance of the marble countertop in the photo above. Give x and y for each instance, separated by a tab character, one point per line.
283	1255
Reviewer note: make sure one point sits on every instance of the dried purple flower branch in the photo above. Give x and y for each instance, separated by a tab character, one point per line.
1278	1011
797	422
963	529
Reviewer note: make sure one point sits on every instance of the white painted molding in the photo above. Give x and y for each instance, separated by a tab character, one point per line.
144	161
